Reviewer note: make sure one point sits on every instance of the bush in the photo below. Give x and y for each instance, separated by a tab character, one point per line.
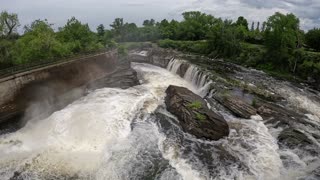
198	47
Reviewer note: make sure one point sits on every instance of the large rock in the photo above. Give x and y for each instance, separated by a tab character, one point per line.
193	114
236	105
124	77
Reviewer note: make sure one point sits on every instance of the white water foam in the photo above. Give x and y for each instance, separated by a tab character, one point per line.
299	100
93	138
193	75
80	138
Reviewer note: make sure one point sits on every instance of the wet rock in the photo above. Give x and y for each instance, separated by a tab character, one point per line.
183	69
280	116
124	77
236	105
293	138
193	114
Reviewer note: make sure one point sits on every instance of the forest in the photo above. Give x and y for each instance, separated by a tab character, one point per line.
277	45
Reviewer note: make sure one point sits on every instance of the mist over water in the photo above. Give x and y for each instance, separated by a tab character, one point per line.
128	134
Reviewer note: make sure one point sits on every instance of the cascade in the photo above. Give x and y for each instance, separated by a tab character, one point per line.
119	134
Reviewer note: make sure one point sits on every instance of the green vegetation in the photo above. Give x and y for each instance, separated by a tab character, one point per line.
313	39
201	117
122	51
40	42
195	105
277	45
254	102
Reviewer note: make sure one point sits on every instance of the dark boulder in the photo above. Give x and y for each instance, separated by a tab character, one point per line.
236	105
193	114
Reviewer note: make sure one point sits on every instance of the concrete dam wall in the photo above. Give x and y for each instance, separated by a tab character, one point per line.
39	92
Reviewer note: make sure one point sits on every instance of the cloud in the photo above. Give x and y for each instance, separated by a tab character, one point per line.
97	12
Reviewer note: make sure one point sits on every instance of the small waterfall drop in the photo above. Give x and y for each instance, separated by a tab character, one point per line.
193	75
174	65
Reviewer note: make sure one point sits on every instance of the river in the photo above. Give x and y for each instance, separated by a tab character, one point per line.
113	134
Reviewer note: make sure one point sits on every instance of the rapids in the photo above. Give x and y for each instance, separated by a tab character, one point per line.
127	134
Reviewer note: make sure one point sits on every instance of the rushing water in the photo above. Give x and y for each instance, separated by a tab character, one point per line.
127	134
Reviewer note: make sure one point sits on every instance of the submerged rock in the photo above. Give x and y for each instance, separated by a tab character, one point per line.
293	138
193	114
236	105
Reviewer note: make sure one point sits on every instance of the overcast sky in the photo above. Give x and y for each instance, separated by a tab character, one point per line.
95	12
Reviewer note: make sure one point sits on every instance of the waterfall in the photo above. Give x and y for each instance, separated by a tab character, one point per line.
194	75
114	133
174	65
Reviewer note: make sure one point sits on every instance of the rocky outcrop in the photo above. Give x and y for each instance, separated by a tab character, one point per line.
293	138
193	114
155	56
237	106
124	77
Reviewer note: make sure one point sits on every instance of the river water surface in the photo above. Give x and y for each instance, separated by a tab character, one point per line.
127	134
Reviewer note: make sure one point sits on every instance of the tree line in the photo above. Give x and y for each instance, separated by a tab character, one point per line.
284	42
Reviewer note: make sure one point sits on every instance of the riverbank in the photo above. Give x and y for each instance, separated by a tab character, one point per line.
307	69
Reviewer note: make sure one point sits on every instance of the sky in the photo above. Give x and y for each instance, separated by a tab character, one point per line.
95	12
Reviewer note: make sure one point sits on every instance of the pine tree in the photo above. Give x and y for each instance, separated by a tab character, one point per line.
252	26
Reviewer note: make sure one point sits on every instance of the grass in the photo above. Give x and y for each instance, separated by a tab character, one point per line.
254	102
195	105
201	117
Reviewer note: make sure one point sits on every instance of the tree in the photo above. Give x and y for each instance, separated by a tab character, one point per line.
313	38
150	22
223	39
78	37
195	25
100	30
282	38
258	27
8	35
117	26
38	43
8	23
242	22
252	27
263	27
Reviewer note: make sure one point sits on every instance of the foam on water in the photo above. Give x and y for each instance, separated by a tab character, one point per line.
300	100
82	136
113	134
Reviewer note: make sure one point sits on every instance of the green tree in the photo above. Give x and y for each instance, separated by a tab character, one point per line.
8	35
282	38
258	27
117	26
195	25
8	23
242	22
313	38
252	26
78	37
38	43
100	30
223	39
150	22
